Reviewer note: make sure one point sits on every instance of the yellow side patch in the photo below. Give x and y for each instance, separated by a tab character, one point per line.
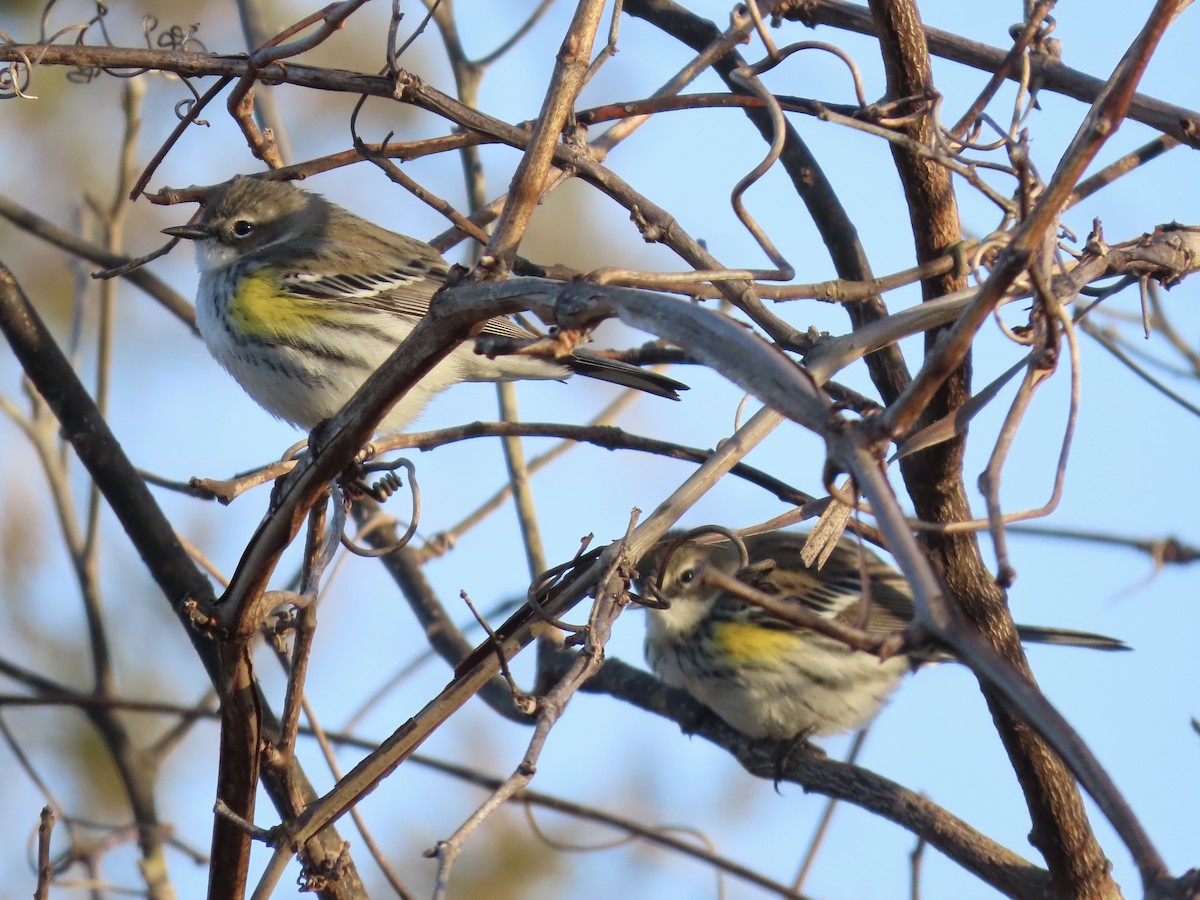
742	642
258	310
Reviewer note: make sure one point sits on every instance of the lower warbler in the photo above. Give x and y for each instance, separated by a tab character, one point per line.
769	678
300	301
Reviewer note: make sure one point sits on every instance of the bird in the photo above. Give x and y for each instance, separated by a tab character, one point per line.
772	679
301	300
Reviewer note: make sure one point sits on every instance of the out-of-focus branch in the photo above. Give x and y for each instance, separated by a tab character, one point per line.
39	227
151	533
1162	551
404	565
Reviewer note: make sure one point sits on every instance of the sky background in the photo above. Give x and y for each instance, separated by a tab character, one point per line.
178	415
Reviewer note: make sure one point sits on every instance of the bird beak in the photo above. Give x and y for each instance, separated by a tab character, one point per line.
187	232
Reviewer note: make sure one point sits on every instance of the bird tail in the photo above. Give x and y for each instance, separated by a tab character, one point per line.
592	365
1033	634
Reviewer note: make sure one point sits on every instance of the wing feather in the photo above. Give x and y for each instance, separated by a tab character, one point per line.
401	291
835	592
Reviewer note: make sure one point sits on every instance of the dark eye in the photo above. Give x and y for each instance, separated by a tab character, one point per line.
243	227
687	576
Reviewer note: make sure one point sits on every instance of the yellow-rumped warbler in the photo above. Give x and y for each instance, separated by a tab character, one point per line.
769	678
300	301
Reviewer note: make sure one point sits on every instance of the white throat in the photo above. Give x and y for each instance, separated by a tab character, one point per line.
212	255
678	622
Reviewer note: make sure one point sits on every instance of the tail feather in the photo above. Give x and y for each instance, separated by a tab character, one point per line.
1034	634
616	372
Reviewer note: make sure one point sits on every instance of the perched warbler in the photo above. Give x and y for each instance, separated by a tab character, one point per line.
769	678
300	300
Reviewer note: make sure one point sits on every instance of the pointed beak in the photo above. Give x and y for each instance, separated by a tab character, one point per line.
187	232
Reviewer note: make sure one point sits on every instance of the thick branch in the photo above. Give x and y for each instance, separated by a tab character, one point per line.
126	493
996	865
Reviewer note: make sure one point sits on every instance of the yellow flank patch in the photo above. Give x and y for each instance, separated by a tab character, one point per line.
260	310
743	642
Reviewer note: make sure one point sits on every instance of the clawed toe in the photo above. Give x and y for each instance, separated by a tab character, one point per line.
790	750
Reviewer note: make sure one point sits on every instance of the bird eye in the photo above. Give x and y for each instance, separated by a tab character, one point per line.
687	576
242	227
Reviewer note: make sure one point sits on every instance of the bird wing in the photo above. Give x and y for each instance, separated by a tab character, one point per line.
402	291
836	590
